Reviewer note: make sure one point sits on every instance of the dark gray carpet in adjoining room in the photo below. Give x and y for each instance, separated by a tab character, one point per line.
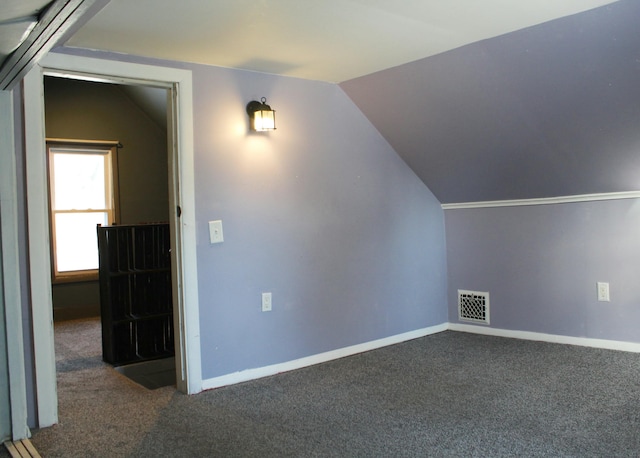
151	374
450	394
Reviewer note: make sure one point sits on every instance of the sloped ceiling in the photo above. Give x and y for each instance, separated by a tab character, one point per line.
552	110
329	40
484	101
151	100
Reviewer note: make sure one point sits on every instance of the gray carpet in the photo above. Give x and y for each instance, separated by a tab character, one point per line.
450	394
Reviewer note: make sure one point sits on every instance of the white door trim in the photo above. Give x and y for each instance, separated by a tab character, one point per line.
38	241
104	70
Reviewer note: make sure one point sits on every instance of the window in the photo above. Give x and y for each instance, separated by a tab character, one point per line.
82	195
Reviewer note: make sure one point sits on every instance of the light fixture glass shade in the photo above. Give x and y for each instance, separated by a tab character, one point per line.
264	120
261	116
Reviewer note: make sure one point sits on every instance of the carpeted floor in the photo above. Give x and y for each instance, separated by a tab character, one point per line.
450	394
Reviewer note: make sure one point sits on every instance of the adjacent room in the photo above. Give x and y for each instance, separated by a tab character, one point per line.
399	229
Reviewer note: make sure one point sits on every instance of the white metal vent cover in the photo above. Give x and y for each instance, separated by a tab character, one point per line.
473	306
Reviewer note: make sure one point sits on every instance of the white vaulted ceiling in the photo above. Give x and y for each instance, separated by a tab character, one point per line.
328	40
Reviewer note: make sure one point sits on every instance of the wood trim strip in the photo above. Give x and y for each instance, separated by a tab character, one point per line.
74	142
22	449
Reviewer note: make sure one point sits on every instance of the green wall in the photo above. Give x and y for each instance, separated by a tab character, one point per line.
96	111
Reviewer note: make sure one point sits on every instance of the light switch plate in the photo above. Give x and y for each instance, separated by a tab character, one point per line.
603	292
215	231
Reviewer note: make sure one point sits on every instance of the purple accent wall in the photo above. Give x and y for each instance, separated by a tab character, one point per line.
540	265
550	110
326	214
321	212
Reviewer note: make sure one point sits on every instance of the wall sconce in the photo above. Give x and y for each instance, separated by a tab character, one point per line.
261	116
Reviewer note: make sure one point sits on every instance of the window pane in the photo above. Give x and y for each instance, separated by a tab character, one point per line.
77	240
79	181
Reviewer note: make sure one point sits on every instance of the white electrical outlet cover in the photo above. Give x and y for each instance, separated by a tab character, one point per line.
266	302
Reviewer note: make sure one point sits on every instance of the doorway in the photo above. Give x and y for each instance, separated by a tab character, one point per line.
108	165
182	221
79	115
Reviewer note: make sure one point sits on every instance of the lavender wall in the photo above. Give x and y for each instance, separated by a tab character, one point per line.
321	212
551	110
540	265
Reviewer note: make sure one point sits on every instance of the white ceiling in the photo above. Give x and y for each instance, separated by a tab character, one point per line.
327	40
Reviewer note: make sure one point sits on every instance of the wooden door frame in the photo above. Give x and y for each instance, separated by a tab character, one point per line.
182	193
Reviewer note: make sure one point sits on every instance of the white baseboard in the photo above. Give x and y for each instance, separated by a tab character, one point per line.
552	338
252	374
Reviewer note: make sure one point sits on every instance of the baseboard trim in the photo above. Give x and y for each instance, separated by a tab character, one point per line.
260	372
551	338
252	374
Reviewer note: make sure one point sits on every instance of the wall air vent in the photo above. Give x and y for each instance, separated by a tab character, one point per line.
473	306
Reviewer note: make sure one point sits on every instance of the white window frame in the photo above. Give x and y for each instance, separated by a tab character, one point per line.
109	150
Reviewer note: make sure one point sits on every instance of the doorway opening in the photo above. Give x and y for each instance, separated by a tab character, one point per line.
178	84
108	156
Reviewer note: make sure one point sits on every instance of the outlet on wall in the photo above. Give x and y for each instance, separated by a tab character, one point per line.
266	302
603	292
